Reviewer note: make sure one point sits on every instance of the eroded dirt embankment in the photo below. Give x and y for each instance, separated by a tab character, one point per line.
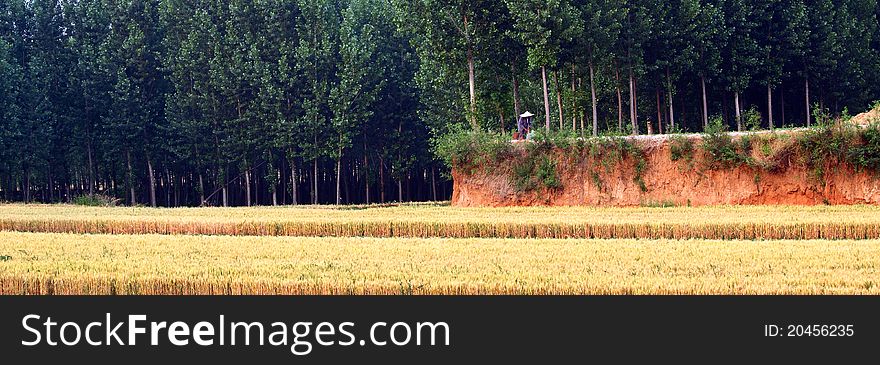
585	182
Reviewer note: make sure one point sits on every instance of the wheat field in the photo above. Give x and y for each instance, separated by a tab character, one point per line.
439	249
431	220
52	263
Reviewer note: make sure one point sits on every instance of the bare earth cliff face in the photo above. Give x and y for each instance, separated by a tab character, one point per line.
667	181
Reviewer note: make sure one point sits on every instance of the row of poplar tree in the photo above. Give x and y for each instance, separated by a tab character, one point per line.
258	102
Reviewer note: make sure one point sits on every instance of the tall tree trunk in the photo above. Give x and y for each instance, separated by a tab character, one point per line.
315	181
27	185
247	185
582	112
177	182
366	175
294	192
201	190
346	181
130	178
339	178
167	185
671	108
472	85
705	103
517	107
546	99
807	98
631	116
739	126
593	99
433	183
224	183
632	104
558	97
659	111
770	106
274	187
91	168
619	98
225	195
152	178
381	179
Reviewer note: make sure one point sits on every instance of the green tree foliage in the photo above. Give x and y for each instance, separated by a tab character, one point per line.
710	38
11	113
742	54
823	49
191	105
602	24
672	45
235	102
545	28
135	122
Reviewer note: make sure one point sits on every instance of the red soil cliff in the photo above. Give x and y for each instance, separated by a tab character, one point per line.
670	182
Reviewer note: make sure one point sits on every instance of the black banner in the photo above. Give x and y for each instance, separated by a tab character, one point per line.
392	329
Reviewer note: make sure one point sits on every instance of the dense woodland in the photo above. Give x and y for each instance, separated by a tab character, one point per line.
265	102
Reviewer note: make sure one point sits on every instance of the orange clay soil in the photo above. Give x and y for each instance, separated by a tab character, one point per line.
673	182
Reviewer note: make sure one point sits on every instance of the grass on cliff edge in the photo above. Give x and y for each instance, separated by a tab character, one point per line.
40	263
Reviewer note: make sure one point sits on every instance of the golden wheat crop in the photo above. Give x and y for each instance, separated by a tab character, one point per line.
720	222
50	263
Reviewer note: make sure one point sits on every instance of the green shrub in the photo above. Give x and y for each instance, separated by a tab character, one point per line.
547	174
866	155
96	200
562	140
535	171
845	116
827	143
752	119
721	152
613	131
523	176
640	167
677	129
766	148
463	147
613	151
744	144
681	148
821	116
